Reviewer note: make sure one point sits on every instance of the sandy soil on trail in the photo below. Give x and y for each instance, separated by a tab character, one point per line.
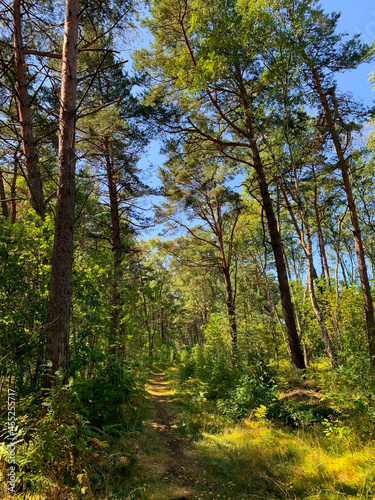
178	466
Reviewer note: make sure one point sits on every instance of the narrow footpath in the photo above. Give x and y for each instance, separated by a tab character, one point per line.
168	459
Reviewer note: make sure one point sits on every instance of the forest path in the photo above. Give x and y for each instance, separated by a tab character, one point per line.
171	462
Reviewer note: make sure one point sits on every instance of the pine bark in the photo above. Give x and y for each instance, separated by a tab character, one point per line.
322	251
116	247
13	188
4	205
231	309
57	343
315	305
286	300
359	250
225	265
311	271
34	182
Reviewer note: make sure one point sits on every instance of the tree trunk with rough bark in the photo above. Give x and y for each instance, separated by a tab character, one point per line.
231	309
311	271
36	196
57	344
359	250
322	251
286	300
116	247
13	188
4	205
316	308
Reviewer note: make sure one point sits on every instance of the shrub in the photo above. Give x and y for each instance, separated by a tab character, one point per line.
52	444
299	414
111	399
255	387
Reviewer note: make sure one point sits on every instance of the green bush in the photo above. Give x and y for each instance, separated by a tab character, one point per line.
53	443
298	414
254	388
211	376
187	366
112	399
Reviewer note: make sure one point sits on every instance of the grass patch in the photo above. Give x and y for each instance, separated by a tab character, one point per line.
260	461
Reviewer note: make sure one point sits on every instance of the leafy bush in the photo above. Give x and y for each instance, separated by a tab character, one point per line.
52	444
186	367
299	414
256	387
64	437
111	399
210	377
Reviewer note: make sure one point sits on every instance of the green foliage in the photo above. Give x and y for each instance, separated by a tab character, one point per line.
209	378
62	436
299	414
111	400
234	74
254	388
25	251
53	442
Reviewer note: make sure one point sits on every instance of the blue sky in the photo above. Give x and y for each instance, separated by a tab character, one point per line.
357	17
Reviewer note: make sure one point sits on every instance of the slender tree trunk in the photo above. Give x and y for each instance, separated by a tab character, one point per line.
311	271
317	311
337	294
36	196
275	237
13	188
362	268
147	324
286	300
57	344
116	247
273	307
323	255
231	309
4	205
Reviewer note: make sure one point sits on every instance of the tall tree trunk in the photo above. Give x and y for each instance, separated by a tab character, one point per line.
311	271
282	275
147	323
57	344
4	205
323	255
13	188
116	247
231	308
317	311
286	300
36	196
362	268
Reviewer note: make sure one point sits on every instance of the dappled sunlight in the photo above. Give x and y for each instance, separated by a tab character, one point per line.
159	392
158	388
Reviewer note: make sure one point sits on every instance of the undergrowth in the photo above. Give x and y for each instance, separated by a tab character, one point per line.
259	461
77	442
288	437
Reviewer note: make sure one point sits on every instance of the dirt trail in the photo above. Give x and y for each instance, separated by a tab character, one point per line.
177	466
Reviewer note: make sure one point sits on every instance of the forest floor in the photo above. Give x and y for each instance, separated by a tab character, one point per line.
251	460
167	461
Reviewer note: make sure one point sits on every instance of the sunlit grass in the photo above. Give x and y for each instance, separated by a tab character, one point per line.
260	461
